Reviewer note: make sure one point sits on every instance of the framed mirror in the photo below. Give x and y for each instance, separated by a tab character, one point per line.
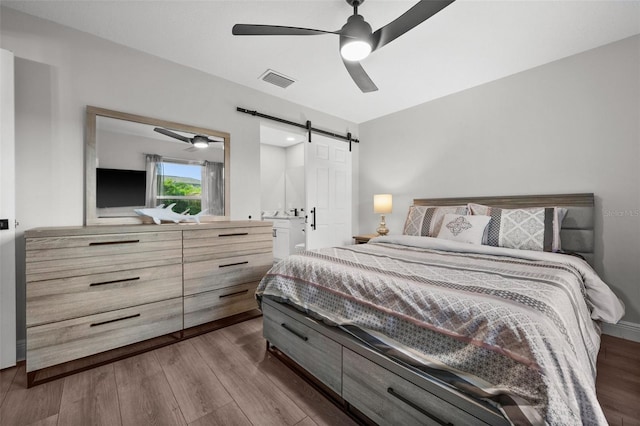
134	162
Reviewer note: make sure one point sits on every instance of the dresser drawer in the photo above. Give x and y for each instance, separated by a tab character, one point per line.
221	273
211	244
315	352
66	298
388	399
64	341
52	258
213	305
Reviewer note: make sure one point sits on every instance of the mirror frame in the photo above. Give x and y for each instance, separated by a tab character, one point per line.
92	113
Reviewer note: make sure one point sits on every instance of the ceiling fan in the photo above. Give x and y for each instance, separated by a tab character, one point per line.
357	40
199	141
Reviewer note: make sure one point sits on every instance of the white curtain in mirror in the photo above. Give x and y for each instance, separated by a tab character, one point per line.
213	188
154	168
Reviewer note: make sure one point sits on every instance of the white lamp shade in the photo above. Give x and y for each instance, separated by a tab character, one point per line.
382	203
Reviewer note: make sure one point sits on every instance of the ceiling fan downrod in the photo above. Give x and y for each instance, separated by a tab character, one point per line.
355	4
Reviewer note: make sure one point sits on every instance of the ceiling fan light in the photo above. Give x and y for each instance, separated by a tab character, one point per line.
355	50
200	142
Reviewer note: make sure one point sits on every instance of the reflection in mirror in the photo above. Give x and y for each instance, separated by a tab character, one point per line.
282	172
135	162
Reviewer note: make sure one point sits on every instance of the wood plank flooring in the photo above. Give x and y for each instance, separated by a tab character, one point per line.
618	381
227	378
221	378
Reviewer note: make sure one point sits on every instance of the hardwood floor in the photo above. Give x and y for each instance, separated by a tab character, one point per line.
221	378
227	378
618	381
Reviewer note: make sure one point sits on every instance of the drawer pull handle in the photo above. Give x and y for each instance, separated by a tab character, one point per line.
417	408
104	243
95	324
237	293
233	264
124	280
295	333
235	234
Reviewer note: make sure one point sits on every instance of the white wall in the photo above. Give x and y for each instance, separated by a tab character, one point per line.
282	177
7	212
567	126
59	71
273	163
294	177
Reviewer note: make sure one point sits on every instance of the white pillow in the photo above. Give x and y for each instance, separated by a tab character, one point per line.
465	229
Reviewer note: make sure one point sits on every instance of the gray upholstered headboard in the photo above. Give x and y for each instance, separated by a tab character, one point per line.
577	228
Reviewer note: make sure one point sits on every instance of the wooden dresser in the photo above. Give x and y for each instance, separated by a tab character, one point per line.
222	268
96	289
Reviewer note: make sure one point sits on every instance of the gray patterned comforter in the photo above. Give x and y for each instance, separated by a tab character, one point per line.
511	327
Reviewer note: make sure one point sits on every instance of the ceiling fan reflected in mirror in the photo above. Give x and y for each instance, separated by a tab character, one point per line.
199	141
357	40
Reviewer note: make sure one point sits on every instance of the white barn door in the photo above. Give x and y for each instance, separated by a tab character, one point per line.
7	213
328	192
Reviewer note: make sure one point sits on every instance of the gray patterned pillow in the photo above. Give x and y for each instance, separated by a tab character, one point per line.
425	221
534	228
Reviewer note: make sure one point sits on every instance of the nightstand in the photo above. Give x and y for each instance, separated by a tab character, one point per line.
363	239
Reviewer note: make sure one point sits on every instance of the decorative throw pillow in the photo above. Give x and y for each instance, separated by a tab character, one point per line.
425	221
533	228
465	229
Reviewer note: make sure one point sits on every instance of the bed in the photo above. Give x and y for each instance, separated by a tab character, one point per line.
412	329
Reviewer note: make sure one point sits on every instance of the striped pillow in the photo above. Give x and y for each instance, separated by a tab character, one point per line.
425	221
533	228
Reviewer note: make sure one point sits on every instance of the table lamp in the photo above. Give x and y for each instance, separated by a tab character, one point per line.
382	203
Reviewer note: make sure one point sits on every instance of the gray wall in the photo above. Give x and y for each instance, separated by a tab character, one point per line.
567	126
59	71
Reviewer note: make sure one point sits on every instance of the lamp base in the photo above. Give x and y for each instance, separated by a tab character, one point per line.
382	229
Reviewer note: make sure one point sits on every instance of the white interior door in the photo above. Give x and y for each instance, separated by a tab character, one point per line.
328	192
7	213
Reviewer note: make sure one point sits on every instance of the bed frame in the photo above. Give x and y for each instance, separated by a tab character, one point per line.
375	389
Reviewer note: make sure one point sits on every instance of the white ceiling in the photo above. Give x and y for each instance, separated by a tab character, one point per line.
471	42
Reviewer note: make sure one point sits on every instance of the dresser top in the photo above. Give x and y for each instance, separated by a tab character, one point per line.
124	229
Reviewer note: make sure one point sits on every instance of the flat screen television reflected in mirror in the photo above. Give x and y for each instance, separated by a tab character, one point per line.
110	184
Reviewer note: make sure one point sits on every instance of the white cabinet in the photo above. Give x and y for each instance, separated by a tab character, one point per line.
286	234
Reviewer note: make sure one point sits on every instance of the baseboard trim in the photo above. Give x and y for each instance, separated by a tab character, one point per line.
623	329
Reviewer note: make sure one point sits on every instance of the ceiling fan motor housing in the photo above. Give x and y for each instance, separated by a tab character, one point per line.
356	27
355	30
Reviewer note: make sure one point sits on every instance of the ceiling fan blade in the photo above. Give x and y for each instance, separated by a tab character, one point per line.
408	20
172	134
359	75
250	29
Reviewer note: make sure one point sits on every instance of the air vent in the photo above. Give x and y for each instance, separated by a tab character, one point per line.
273	77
